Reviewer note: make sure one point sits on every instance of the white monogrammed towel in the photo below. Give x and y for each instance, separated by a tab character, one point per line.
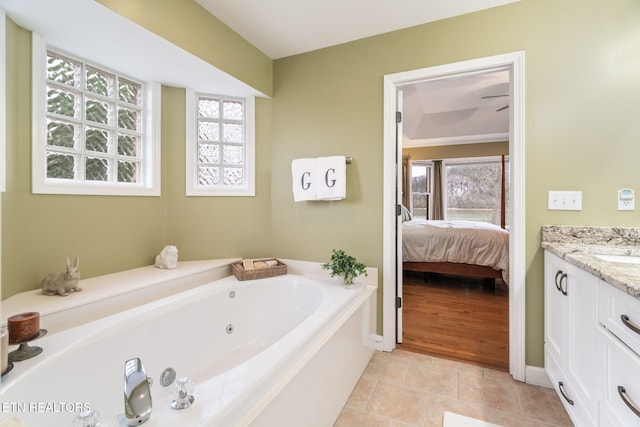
331	176
303	172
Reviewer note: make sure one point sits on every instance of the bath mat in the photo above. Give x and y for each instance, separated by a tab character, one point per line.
457	420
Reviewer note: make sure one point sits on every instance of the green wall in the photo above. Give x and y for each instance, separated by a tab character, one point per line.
215	227
582	123
112	233
40	231
582	131
187	25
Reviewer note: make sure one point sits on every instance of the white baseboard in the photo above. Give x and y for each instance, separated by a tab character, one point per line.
378	342
537	376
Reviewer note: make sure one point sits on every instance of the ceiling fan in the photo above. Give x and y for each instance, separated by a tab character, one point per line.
497	96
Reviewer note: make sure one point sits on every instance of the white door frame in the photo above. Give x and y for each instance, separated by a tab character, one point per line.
398	222
514	62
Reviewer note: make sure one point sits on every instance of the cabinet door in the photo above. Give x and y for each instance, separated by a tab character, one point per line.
582	357
554	307
571	343
621	400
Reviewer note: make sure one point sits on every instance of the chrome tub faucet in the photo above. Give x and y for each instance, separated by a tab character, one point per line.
137	393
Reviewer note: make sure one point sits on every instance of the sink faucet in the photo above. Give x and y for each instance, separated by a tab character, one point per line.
137	393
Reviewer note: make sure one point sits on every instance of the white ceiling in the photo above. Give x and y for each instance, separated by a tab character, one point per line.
282	28
457	110
439	112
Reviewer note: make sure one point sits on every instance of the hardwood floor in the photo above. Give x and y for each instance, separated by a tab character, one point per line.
456	318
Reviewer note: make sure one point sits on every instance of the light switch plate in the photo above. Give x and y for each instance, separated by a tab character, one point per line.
565	200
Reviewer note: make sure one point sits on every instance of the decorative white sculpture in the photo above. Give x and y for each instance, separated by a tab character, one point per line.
168	258
63	283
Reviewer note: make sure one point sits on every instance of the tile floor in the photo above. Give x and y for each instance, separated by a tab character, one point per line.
404	389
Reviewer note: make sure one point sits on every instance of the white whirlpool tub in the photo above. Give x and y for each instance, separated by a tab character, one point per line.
297	348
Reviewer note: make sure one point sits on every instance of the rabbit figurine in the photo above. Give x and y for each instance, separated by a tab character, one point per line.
168	258
63	283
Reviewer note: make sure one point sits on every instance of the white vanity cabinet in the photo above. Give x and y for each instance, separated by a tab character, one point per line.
619	315
572	359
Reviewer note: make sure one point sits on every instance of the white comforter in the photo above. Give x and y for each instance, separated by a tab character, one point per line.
467	242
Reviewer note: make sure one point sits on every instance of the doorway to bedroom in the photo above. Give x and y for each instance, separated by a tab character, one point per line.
455	164
489	90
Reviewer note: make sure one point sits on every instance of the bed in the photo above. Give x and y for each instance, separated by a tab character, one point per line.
465	248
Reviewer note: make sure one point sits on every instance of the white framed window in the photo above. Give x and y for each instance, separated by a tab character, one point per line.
95	131
473	189
220	145
421	189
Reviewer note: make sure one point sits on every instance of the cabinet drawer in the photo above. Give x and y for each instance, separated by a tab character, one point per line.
621	383
575	408
620	313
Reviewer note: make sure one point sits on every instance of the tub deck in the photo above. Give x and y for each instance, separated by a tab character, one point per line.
112	293
302	370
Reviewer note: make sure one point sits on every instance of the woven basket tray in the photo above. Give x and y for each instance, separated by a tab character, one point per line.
241	274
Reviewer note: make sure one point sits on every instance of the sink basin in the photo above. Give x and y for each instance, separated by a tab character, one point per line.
626	259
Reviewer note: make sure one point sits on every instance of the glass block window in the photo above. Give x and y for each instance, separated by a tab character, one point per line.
220	145
220	158
94	123
95	131
221	142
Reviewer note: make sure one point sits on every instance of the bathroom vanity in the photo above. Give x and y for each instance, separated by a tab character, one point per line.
592	322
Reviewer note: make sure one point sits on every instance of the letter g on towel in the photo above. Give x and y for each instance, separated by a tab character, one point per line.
305	180
303	173
330	182
333	181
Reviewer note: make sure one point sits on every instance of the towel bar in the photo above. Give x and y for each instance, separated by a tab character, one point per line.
348	160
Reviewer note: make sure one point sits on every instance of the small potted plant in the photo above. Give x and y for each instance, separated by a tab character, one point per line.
345	266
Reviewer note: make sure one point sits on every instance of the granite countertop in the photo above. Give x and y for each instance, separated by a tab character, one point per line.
579	245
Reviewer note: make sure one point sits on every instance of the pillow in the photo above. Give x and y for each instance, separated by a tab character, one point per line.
406	215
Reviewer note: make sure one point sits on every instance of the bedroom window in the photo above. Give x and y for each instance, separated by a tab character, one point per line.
92	129
420	189
473	189
220	146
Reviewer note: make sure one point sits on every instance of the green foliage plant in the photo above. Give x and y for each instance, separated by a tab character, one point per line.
345	265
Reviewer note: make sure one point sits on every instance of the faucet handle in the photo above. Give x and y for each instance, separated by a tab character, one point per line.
183	393
137	393
89	418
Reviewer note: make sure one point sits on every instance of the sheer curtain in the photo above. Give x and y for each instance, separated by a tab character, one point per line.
438	201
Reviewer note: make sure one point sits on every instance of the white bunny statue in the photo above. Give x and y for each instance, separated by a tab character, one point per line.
63	283
168	258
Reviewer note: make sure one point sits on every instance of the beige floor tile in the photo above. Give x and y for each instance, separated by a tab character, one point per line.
458	366
386	367
353	418
497	375
397	402
431	378
541	403
404	389
413	357
396	423
488	392
437	406
362	392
